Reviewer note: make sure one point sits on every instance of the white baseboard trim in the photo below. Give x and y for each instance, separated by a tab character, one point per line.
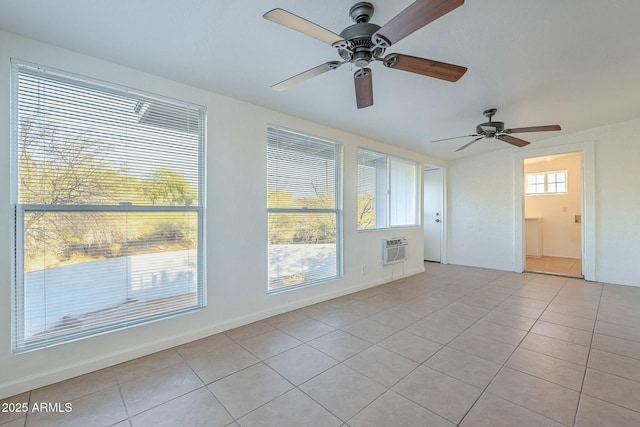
61	373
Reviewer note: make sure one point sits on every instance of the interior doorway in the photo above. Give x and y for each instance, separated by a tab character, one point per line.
433	219
553	214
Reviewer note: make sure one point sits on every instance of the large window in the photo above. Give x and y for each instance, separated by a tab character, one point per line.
388	191
108	186
547	182
304	186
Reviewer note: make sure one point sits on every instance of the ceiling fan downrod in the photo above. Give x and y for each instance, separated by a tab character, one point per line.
490	113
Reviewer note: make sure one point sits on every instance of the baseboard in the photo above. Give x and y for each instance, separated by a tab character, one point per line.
54	375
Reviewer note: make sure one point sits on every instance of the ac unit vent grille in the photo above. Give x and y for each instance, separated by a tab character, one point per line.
394	250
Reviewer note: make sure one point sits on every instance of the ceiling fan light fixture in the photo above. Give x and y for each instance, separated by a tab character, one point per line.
490	127
361	59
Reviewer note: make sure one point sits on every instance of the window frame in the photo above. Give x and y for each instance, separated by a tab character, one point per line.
21	343
387	193
337	210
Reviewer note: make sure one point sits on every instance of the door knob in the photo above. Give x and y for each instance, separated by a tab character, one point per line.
438	220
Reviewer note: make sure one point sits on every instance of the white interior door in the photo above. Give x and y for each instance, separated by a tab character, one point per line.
433	215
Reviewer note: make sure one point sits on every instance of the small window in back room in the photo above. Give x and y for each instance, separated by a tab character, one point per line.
547	182
108	204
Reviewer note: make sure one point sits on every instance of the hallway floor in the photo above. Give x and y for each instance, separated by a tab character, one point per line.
451	346
555	265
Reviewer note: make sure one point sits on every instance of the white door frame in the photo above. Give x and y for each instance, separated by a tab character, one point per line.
587	149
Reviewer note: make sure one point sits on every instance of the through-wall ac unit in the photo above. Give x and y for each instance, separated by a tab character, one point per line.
394	250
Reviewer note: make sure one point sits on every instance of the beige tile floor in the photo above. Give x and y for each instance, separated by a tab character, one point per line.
453	346
555	265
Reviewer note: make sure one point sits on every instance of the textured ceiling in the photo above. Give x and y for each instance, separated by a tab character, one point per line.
571	62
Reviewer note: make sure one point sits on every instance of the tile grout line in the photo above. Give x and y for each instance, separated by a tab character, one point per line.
586	362
586	366
518	346
389	389
608	373
445	345
506	361
458	282
205	385
294	387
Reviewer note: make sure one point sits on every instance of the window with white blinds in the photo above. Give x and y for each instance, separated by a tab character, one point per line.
108	186
304	208
388	191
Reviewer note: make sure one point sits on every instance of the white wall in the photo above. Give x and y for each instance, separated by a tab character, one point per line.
480	221
561	236
482	205
236	214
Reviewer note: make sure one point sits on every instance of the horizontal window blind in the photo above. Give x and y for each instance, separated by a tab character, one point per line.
304	188
373	192
404	189
109	209
388	191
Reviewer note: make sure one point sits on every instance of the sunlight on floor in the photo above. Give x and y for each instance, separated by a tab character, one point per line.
555	265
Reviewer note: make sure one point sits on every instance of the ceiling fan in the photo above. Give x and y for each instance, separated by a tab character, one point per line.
365	42
496	130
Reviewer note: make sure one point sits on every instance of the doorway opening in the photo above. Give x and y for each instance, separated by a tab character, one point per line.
433	214
553	214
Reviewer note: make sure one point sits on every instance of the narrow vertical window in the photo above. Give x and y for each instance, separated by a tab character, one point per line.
388	191
109	205
304	208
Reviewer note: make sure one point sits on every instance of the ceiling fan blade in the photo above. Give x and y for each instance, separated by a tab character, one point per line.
364	87
512	140
455	137
425	67
414	17
288	19
468	144
305	75
533	129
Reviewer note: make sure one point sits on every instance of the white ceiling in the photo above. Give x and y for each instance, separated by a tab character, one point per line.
570	62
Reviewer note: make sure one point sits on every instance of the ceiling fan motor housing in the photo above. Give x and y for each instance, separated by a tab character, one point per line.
489	129
359	36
